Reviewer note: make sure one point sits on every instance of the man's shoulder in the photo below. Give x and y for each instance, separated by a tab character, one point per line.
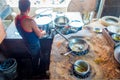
29	21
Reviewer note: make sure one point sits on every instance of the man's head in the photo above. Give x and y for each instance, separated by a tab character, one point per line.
24	5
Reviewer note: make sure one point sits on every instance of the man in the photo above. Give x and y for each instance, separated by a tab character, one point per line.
29	31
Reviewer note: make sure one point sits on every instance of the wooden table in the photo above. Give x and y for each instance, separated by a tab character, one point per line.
100	56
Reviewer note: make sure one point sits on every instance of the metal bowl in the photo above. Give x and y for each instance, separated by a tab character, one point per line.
116	37
81	67
61	21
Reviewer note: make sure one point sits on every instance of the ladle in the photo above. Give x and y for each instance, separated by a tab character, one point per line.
67	53
75	64
61	34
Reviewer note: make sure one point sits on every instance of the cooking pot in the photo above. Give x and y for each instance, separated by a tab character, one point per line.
61	21
44	23
81	67
78	46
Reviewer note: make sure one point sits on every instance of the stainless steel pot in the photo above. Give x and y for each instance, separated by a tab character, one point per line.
81	67
44	23
61	21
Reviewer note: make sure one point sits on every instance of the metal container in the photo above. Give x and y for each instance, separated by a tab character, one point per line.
81	67
44	23
61	21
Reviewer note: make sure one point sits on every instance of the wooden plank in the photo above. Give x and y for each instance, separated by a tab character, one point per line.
108	38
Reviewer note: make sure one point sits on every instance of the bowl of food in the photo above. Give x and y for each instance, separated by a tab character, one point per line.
81	67
116	37
97	30
113	29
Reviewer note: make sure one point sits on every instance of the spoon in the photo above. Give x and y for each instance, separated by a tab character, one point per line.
75	65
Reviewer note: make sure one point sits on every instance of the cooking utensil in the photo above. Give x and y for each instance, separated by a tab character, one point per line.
81	67
61	21
116	37
67	53
44	23
77	45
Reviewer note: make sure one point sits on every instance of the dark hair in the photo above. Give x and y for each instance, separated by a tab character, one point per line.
24	5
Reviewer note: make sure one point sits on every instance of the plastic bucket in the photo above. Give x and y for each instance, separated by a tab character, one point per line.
9	68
